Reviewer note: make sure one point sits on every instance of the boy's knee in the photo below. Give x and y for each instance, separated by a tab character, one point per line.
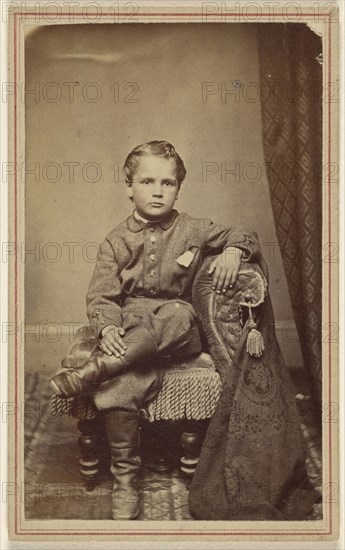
184	312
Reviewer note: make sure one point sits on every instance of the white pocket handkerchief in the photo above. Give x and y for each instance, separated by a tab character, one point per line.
186	258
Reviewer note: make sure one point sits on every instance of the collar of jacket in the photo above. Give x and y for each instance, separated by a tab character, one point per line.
136	225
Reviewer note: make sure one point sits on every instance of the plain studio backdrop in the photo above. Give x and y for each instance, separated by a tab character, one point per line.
97	91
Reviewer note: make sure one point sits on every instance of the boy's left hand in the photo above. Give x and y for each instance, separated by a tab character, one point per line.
225	269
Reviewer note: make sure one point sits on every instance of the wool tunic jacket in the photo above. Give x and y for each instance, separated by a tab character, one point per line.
156	260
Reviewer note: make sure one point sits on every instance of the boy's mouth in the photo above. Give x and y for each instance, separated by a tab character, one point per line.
156	204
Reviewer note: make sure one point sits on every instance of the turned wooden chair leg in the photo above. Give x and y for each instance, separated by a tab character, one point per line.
191	442
90	444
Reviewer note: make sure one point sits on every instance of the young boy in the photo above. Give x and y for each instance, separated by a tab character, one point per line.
139	303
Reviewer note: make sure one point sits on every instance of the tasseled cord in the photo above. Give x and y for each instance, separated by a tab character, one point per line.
255	341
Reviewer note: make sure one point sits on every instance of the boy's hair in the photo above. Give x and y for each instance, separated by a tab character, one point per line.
157	148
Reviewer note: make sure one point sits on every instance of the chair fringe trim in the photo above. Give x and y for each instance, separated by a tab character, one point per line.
186	394
81	407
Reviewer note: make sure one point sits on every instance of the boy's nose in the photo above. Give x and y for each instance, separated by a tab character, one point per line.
157	190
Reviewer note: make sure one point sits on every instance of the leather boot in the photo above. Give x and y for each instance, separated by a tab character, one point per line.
141	346
123	435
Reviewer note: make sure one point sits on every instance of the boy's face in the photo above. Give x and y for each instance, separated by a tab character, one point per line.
154	188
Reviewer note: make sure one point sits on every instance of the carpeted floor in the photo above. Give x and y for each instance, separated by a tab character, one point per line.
55	490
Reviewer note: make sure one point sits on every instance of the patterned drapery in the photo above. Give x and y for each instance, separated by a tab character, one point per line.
291	84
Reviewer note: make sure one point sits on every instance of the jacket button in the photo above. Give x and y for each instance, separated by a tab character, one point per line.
152	273
152	291
152	257
151	229
153	239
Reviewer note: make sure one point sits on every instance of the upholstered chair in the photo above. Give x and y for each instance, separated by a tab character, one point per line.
190	388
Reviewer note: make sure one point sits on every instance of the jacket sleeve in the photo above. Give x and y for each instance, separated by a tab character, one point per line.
104	292
218	237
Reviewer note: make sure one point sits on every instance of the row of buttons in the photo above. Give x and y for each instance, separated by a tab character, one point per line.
152	258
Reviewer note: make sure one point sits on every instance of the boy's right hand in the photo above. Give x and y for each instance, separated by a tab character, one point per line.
112	343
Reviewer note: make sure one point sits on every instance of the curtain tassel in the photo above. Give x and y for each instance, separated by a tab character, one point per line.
255	341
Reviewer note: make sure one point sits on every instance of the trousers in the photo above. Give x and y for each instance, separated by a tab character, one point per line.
175	328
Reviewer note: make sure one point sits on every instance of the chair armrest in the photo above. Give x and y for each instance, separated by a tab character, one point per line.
223	315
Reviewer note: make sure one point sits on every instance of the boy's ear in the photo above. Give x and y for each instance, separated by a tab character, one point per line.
129	189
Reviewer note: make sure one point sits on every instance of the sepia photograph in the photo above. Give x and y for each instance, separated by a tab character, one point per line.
174	251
